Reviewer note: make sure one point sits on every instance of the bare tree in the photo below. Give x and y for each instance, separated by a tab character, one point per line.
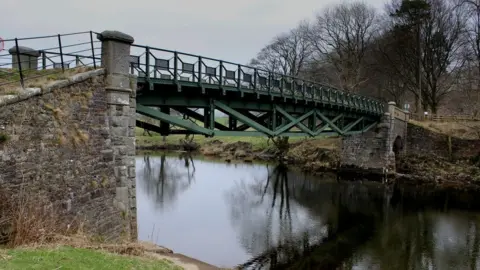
287	53
407	18
393	54
340	36
470	77
442	49
436	41
472	8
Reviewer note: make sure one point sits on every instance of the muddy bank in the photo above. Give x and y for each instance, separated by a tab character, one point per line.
309	155
434	171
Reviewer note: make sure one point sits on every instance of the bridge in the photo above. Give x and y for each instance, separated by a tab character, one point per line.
257	102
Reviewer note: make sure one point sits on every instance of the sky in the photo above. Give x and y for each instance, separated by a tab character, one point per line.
232	30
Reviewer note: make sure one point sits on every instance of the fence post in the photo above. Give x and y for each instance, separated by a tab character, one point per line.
61	52
44	60
93	50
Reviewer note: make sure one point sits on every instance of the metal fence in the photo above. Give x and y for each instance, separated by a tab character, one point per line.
27	59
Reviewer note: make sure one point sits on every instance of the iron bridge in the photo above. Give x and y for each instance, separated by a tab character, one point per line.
184	91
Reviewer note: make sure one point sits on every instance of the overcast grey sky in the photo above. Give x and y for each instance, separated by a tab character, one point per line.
233	30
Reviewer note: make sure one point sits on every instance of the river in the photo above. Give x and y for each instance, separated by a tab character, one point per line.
264	216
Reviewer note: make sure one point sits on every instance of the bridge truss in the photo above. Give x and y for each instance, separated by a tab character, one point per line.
256	102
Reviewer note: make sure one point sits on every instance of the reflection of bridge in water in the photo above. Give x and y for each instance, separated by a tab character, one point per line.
293	221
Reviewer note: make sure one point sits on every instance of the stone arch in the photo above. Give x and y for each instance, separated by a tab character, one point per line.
398	145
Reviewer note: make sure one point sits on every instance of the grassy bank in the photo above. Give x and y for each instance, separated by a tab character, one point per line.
10	78
65	257
145	141
461	129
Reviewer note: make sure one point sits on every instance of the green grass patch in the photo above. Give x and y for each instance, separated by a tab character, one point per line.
10	78
258	143
76	258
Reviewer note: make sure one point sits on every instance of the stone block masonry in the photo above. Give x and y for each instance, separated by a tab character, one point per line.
59	149
120	88
376	150
423	141
72	145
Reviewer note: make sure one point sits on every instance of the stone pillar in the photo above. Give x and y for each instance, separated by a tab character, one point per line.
28	57
391	108
388	121
121	121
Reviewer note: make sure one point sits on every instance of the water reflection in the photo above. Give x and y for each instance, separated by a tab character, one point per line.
324	215
267	217
165	179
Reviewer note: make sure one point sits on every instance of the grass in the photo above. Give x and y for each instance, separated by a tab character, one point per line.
10	79
76	258
463	130
258	143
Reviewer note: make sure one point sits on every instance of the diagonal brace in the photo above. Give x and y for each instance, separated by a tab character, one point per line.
144	110
330	123
199	117
259	119
294	122
320	130
242	118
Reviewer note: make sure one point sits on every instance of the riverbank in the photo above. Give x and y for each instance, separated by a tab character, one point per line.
312	155
75	252
316	156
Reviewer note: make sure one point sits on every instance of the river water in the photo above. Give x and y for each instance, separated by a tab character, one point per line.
265	217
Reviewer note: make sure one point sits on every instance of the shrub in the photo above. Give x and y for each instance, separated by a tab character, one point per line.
29	219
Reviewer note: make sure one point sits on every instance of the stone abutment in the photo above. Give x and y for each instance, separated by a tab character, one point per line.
377	149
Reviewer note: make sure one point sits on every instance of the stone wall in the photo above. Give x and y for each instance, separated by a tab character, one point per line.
424	141
367	150
373	150
59	149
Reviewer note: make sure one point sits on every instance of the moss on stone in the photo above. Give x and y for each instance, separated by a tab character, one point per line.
4	138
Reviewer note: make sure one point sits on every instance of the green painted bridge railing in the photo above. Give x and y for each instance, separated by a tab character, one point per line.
160	66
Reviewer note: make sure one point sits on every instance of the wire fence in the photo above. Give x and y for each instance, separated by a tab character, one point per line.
27	60
446	118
